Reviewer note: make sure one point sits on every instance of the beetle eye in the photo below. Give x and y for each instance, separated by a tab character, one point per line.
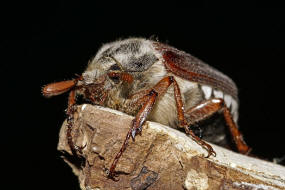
115	67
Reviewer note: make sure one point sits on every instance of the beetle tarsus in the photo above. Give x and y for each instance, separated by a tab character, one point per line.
210	150
112	175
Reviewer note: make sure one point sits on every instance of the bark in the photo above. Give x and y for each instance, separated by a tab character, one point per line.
161	158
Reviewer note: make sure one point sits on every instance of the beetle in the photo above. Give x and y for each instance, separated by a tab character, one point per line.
154	81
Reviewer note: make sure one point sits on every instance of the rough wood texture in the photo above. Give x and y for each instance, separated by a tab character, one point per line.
161	158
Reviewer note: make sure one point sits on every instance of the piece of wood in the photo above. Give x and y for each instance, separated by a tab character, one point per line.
161	158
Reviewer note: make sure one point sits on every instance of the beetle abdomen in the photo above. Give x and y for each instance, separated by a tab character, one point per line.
231	103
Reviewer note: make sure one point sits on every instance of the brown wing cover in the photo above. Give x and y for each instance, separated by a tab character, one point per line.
191	68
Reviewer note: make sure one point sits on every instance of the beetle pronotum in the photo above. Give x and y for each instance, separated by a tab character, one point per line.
151	80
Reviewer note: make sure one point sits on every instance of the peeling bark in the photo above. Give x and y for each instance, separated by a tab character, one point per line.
161	158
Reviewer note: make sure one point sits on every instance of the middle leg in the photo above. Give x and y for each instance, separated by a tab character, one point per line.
183	123
207	108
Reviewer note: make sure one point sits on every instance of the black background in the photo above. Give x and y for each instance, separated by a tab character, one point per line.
47	42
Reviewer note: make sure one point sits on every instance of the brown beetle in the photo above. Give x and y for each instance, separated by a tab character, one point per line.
154	81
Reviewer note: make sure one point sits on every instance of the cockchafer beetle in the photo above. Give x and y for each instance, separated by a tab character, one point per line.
154	81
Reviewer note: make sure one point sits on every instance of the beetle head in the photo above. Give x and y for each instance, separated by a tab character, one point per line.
119	67
131	56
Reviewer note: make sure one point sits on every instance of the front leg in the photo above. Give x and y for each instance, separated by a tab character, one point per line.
136	127
147	101
71	109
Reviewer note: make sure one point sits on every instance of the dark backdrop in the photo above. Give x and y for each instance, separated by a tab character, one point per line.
47	42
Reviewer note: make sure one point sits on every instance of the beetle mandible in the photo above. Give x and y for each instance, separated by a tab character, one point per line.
154	81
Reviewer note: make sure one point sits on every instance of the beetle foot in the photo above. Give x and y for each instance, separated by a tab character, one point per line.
112	175
202	143
210	150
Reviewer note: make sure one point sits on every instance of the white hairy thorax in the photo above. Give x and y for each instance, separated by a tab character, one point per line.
126	52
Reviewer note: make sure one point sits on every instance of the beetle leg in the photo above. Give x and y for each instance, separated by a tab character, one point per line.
70	120
147	101
58	88
184	124
136	128
236	134
207	108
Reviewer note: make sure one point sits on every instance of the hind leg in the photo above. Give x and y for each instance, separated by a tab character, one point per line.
207	108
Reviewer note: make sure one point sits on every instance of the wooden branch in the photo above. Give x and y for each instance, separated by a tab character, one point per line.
161	158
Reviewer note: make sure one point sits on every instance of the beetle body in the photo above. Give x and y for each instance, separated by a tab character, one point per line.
144	60
152	80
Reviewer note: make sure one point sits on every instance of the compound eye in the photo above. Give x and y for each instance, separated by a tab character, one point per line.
115	67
